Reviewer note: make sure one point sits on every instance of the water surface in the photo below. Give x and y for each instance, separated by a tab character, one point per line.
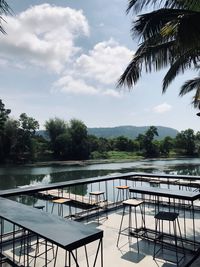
12	177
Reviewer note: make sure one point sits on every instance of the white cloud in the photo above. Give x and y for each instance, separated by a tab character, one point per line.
111	92
105	62
102	66
67	84
43	35
162	108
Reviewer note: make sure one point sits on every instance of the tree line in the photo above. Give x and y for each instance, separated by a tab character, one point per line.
20	141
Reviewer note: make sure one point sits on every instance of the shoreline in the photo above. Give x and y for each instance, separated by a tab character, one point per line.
91	162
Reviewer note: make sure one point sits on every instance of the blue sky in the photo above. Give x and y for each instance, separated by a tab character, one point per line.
63	58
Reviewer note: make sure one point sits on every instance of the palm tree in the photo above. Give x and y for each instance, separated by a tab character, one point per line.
170	36
4	10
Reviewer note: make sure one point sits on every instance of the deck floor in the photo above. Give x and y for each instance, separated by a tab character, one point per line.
126	255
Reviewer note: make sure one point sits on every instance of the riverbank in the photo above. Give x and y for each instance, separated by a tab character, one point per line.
92	162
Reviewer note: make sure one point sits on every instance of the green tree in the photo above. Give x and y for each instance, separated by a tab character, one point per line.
197	142
166	145
4	114
28	124
25	148
79	138
10	138
54	128
185	140
150	148
121	143
93	143
64	146
169	36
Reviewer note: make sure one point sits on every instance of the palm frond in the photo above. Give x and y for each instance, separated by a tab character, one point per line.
149	57
131	74
139	5
181	63
169	23
190	85
4	10
188	29
196	98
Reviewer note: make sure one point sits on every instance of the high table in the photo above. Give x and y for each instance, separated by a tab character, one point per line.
172	195
67	234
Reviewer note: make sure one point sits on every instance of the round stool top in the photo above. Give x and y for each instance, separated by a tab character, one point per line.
122	187
96	193
61	200
132	202
166	216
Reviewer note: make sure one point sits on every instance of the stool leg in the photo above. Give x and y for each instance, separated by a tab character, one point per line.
120	228
105	205
136	230
142	210
155	241
117	196
175	239
181	236
129	224
52	208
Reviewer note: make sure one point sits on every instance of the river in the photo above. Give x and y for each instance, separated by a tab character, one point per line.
12	177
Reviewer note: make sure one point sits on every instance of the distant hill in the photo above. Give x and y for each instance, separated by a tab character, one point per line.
128	131
131	131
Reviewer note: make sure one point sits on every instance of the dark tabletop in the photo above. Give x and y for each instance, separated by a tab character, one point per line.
178	194
67	234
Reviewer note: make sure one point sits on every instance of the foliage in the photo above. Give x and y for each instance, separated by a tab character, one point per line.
169	36
19	142
130	132
54	128
122	155
4	113
185	140
68	140
149	147
166	146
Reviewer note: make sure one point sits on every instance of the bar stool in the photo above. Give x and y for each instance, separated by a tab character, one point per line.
132	231
122	190
60	202
96	198
160	217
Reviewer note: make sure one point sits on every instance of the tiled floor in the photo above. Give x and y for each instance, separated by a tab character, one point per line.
126	254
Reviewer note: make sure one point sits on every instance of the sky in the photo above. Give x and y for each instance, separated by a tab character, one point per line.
63	59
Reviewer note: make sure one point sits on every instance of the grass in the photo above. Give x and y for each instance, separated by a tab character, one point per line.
123	155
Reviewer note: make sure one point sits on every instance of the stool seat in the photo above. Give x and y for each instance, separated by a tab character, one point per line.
166	216
61	200
132	202
123	187
97	193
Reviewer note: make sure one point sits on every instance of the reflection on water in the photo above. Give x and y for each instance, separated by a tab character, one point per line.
26	176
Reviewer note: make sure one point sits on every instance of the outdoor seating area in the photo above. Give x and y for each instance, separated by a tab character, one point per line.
102	221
